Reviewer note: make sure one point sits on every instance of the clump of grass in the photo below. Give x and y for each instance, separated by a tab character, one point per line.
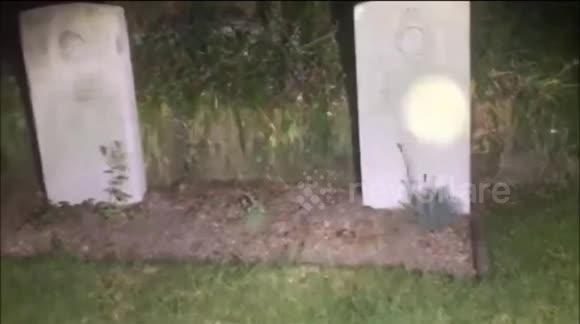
433	207
255	213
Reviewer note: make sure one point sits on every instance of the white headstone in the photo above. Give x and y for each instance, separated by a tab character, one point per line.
413	76
78	65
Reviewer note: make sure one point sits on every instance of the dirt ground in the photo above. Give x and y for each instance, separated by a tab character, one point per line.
223	222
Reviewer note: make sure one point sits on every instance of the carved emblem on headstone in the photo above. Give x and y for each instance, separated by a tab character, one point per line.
71	45
411	33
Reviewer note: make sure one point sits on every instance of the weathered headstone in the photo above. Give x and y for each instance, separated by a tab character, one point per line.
413	76
78	65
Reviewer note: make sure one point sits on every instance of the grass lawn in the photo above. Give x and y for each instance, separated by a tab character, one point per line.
535	258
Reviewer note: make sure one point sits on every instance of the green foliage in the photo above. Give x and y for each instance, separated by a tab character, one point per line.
242	96
525	87
433	207
15	149
528	92
116	159
255	213
255	217
241	62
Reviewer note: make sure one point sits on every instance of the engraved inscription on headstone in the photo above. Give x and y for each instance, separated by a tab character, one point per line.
87	88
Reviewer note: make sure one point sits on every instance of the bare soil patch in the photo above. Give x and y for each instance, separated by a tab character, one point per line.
212	222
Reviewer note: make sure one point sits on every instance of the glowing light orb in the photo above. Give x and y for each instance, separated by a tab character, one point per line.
435	110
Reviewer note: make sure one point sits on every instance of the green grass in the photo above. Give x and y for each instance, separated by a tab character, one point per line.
535	281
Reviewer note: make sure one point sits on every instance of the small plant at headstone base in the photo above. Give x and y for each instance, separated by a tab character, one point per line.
254	212
433	207
116	158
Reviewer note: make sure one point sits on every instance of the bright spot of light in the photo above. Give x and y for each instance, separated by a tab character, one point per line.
436	110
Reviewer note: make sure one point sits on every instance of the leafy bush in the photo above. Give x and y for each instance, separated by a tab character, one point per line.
525	92
279	82
242	62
